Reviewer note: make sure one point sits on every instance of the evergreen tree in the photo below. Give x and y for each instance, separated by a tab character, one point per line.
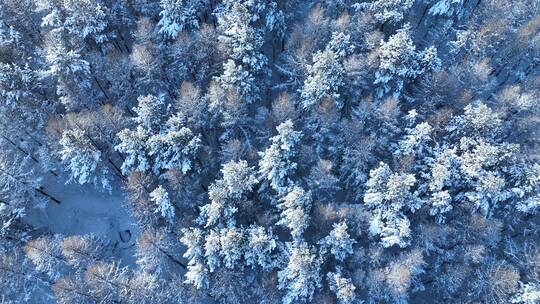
276	165
301	277
175	147
76	18
164	208
326	76
83	159
133	144
391	11
389	197
341	287
224	194
338	242
260	246
177	15
295	208
400	62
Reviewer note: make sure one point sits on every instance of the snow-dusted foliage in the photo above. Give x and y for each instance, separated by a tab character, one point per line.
342	287
447	8
15	83
291	151
325	75
243	43
301	277
338	242
177	15
150	112
133	145
156	143
295	208
528	294
71	72
83	159
163	207
391	11
224	194
197	273
174	148
401	62
276	165
389	198
77	18
260	245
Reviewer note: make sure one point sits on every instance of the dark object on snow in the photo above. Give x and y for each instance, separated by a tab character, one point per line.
125	236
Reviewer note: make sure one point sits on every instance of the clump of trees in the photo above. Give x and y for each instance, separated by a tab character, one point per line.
305	151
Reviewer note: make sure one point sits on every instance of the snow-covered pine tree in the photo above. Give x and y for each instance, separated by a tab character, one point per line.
401	62
83	160
79	19
301	277
174	148
338	242
389	198
177	15
342	287
325	77
163	207
295	208
276	165
391	11
224	194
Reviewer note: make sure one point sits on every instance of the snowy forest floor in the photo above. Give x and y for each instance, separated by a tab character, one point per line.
84	210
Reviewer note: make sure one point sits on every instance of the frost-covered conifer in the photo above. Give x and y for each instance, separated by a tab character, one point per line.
150	112
295	208
15	84
164	208
342	287
325	75
78	18
133	145
177	15
389	197
392	11
260	245
339	242
529	194
301	277
83	160
197	273
70	70
276	165
174	148
232	246
235	77
243	43
414	142
212	248
18	183
400	62
238	177
224	194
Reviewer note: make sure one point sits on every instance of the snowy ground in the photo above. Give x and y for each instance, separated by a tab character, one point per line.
84	210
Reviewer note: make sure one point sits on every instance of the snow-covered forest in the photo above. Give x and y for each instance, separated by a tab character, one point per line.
269	151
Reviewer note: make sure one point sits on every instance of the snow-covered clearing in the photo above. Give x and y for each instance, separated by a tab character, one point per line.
85	210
